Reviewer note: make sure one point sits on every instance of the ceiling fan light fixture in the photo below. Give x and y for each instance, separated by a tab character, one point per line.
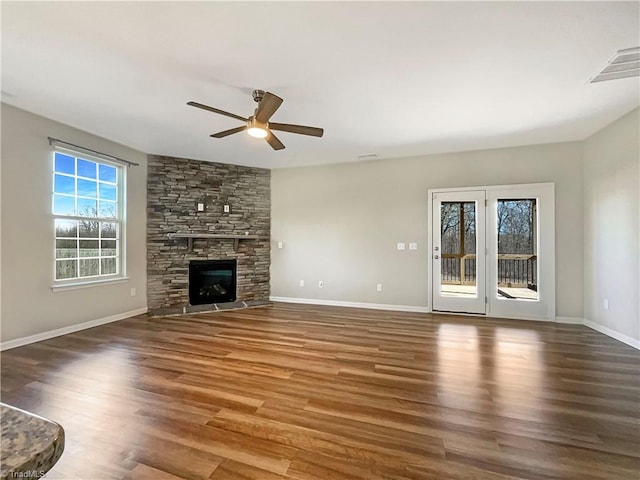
257	129
257	132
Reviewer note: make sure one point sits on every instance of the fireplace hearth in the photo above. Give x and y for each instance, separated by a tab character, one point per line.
212	281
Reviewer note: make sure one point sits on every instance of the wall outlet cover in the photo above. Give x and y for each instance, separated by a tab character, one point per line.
401	246
413	246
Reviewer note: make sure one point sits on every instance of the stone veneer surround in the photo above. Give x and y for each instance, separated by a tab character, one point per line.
175	186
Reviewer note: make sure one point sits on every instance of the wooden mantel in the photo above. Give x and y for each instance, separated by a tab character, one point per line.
236	237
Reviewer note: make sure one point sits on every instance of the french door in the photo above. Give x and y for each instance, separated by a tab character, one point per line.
493	251
458	251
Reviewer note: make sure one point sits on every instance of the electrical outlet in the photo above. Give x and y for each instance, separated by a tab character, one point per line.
201	207
226	208
301	283
379	287
133	292
279	244
413	246
320	284
605	304
401	246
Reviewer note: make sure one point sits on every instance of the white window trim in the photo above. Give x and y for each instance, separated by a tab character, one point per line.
88	284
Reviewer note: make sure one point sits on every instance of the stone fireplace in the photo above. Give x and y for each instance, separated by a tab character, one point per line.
229	206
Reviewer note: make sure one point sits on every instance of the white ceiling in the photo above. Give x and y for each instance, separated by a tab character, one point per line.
390	78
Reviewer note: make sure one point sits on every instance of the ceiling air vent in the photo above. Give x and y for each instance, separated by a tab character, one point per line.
624	64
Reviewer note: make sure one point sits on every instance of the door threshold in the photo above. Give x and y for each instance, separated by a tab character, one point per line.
446	312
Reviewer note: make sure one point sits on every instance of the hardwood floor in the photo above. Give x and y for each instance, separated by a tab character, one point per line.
308	393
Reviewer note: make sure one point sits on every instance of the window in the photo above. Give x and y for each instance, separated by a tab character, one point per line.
517	275
87	209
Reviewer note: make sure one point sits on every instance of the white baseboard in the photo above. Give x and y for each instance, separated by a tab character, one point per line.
38	337
632	342
339	303
570	320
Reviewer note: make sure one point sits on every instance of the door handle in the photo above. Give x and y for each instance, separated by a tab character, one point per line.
436	257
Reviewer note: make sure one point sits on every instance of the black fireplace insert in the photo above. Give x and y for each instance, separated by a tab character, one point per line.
212	281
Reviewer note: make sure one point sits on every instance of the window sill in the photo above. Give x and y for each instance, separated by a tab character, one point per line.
93	283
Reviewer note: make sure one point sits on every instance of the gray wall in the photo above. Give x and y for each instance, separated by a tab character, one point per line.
176	186
612	226
340	223
27	248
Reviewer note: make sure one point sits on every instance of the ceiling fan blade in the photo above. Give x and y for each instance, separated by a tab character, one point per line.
301	129
267	107
275	143
226	133
215	110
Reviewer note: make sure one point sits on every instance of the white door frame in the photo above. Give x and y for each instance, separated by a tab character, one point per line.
545	308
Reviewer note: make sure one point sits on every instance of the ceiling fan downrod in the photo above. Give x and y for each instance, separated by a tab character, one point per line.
257	95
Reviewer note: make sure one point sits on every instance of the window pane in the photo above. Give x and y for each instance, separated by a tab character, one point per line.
66	228
109	230
109	266
108	209
63	205
87	188
66	269
458	255
107	192
89	248
89	267
517	249
107	173
87	169
87	207
89	229
66	248
108	248
64	184
65	164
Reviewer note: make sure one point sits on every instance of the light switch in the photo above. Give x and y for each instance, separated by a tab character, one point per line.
401	245
201	207
226	209
413	246
279	244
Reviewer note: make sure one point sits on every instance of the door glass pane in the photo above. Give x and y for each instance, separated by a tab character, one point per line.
517	249
458	249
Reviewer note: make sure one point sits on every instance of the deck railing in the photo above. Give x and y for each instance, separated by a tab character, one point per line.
514	270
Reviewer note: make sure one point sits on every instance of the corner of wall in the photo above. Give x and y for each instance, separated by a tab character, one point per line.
611	231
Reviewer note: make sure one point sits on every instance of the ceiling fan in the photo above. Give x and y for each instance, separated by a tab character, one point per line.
258	125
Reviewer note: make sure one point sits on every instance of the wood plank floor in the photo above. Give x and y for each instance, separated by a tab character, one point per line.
309	393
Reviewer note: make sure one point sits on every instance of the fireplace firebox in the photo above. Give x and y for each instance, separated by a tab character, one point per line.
212	281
